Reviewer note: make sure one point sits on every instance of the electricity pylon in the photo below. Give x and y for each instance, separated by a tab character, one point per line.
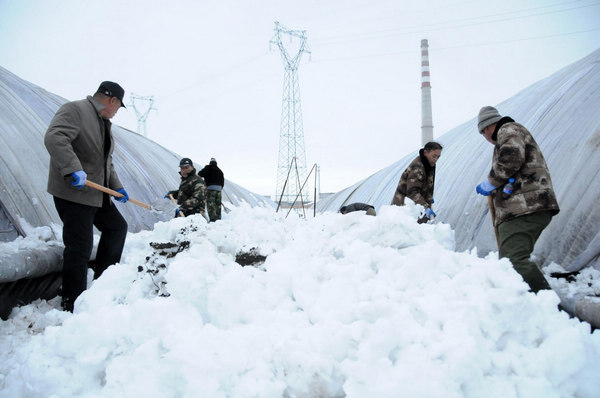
142	113
291	166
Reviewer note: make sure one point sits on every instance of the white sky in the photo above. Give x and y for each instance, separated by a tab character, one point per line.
354	306
218	88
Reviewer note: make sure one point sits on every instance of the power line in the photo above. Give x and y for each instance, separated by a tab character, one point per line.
238	65
436	26
489	43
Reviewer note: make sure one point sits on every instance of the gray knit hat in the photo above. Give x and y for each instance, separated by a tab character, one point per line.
488	115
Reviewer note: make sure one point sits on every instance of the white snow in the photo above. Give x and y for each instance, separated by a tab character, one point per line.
344	305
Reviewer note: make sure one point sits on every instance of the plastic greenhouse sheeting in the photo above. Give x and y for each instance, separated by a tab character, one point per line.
146	169
562	113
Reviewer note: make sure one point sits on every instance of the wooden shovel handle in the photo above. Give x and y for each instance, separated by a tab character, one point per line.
493	215
179	212
115	193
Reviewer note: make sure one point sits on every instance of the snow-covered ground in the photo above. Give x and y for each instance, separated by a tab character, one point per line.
343	305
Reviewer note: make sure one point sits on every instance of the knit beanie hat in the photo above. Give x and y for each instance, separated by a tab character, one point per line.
488	115
213	161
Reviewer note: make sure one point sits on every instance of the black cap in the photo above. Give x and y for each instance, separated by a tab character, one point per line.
186	162
112	89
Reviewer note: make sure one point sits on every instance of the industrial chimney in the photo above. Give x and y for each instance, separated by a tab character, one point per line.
426	118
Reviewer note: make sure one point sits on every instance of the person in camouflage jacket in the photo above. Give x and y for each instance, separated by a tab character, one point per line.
191	195
522	215
418	180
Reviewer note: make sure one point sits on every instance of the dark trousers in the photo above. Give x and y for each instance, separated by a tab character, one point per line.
78	237
517	239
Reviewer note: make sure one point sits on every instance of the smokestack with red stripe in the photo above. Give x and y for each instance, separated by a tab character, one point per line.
426	118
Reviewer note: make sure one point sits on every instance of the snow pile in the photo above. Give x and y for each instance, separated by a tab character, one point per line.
343	305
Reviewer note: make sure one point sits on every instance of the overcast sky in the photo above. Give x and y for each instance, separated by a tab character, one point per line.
218	86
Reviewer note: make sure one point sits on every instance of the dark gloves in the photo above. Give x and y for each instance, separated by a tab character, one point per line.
79	179
123	198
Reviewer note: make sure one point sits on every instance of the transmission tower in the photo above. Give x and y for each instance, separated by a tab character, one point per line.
291	166
142	111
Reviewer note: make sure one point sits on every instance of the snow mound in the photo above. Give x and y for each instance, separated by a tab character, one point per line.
343	305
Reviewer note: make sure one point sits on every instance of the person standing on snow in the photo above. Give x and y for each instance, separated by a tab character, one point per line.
418	180
370	210
521	216
191	195
80	143
215	181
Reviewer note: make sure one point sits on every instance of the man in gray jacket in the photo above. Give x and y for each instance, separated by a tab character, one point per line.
80	144
522	215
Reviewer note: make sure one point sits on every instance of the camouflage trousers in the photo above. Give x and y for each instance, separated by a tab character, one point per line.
213	205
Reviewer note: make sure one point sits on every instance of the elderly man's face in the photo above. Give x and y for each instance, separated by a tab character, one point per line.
488	132
111	107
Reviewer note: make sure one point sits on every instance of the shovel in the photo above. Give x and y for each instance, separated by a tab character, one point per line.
160	206
493	214
179	213
115	193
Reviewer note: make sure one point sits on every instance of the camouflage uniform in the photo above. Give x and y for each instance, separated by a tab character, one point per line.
522	216
417	183
517	155
213	205
191	196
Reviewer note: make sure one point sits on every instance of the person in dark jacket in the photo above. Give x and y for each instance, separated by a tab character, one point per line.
191	195
522	215
215	181
418	181
358	207
80	143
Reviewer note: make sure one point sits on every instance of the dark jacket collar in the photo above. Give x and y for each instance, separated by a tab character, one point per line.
190	174
501	122
428	167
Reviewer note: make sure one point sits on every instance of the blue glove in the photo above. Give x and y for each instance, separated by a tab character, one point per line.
123	198
79	179
167	195
429	213
485	188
